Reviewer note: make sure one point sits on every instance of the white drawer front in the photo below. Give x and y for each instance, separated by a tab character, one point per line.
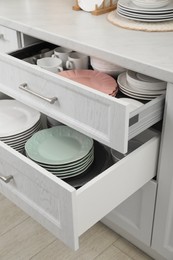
104	118
62	209
9	39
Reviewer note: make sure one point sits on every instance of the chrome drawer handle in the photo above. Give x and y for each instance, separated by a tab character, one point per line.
6	179
24	87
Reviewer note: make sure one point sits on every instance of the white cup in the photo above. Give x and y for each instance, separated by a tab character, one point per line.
50	63
46	53
77	60
62	53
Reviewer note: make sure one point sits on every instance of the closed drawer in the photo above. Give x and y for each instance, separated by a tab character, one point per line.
68	212
9	39
100	116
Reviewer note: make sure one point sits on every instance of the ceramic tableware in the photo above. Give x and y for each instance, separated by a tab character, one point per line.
51	64
62	53
77	60
94	79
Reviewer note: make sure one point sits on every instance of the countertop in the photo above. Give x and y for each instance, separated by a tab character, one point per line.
150	53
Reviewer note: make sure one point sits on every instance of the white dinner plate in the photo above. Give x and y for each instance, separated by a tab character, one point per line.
58	145
22	135
140	81
145	15
127	90
151	4
142	19
16	117
129	5
122	82
89	5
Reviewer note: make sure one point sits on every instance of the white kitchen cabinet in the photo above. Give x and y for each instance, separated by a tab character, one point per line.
135	215
9	39
59	207
162	240
144	52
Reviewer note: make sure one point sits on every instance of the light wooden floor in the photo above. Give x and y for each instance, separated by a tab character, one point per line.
21	238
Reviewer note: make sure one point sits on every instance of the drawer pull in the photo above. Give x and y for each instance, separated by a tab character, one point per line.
6	179
24	87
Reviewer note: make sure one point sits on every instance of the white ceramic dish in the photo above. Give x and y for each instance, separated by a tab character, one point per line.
153	16
122	81
144	19
88	5
16	117
129	91
151	3
140	81
129	5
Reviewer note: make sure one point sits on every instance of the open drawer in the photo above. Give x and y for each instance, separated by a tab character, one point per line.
104	118
68	212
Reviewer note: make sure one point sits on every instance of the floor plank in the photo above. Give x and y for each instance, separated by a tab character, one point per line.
92	243
24	241
10	215
113	253
130	250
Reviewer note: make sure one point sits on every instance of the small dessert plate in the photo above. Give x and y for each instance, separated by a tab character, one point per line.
89	5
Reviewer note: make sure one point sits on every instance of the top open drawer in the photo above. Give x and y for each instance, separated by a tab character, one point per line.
100	116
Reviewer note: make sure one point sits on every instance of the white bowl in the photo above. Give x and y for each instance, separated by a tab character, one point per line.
101	64
113	73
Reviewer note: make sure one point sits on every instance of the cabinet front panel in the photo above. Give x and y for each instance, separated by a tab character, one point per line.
135	215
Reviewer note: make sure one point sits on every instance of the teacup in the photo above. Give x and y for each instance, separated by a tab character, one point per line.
50	64
62	53
77	60
46	53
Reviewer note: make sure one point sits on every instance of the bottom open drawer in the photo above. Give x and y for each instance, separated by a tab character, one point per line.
68	212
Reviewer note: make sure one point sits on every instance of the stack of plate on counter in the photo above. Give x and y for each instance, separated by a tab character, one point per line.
146	11
61	150
106	67
139	86
18	123
94	79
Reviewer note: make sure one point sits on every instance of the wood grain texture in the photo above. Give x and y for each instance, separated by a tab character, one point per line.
24	240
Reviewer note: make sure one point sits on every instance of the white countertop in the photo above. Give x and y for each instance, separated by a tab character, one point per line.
56	22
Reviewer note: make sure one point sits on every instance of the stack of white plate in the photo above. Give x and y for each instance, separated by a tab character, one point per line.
106	67
151	3
140	10
18	123
140	86
61	150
